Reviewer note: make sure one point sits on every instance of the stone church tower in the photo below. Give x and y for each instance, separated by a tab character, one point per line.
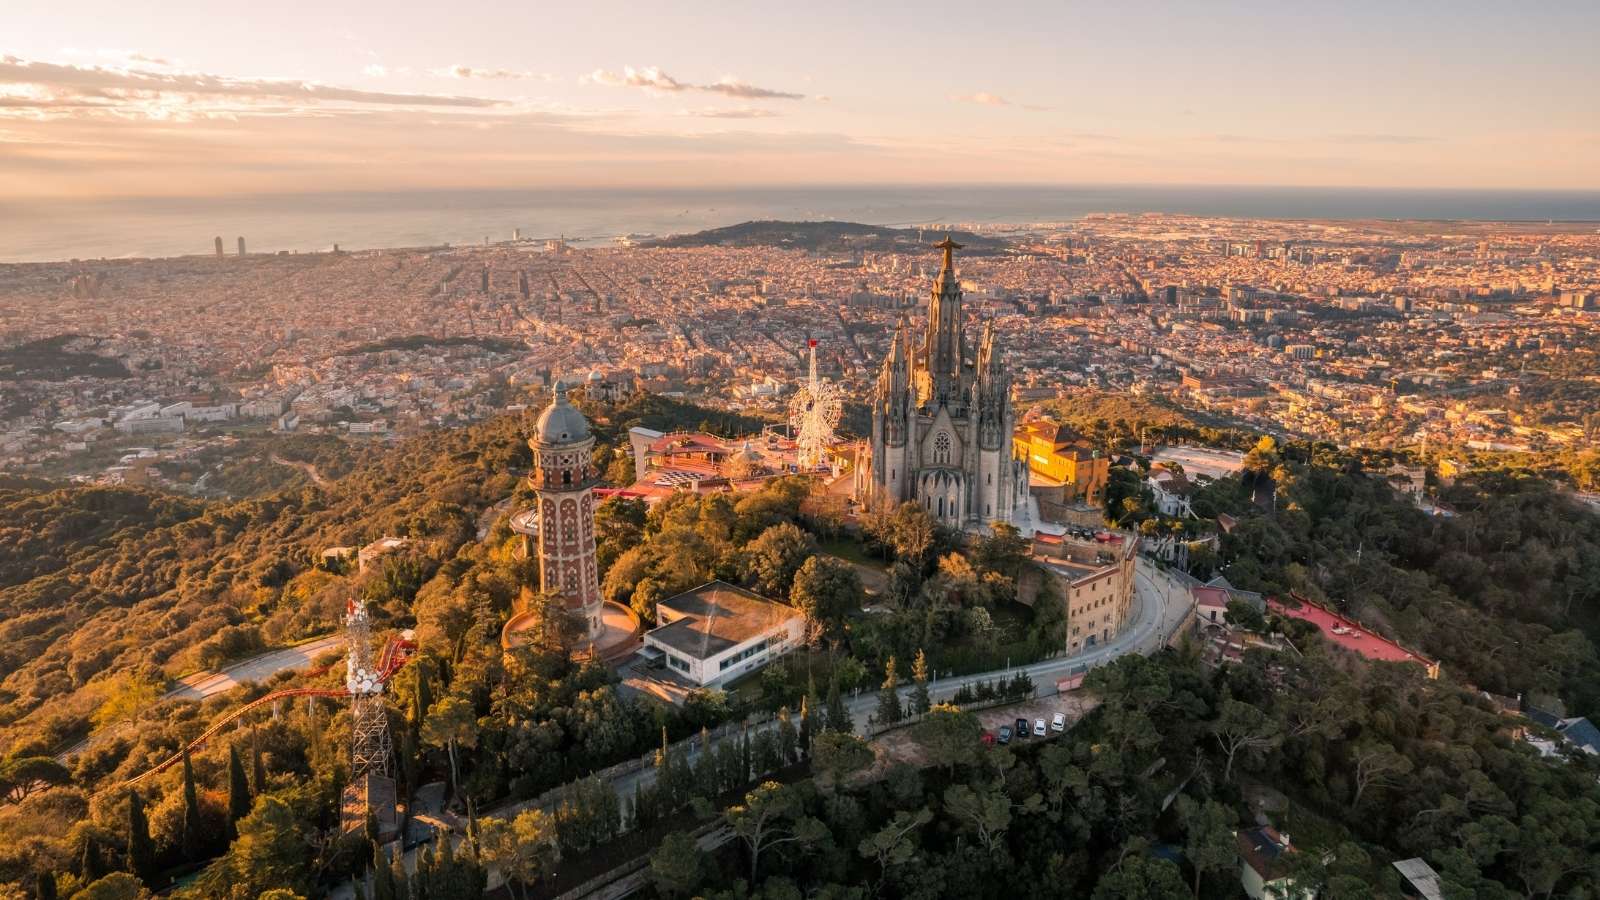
942	422
563	479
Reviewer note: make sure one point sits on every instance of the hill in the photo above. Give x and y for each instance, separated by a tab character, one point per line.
831	237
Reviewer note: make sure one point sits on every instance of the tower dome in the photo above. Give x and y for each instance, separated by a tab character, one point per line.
561	422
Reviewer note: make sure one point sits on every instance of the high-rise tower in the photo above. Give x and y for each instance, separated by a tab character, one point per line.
563	479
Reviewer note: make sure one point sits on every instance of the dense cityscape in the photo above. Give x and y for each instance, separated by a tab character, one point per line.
822	451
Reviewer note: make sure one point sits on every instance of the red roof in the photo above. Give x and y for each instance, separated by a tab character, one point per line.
1355	637
1211	596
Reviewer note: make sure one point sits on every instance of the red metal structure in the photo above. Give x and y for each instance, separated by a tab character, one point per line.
397	651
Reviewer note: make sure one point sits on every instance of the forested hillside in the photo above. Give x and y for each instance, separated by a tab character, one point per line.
1506	592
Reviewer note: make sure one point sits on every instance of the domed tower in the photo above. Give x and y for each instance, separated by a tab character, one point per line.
563	479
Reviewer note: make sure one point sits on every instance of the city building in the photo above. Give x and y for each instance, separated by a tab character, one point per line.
1093	575
719	631
1058	455
941	424
563	479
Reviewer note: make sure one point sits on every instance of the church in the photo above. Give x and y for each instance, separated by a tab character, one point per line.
942	422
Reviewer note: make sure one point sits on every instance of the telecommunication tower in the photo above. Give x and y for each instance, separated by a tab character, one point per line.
814	414
370	744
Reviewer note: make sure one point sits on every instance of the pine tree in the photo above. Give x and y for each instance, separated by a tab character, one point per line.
238	792
191	838
838	716
889	695
141	850
44	886
472	830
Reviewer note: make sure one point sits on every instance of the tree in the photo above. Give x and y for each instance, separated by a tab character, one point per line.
449	725
987	811
826	590
524	848
141	850
770	816
913	534
835	755
1242	726
1377	764
949	735
773	559
889	696
920	702
191	840
552	626
1208	844
238	791
1140	877
788	737
24	775
895	843
1243	615
677	865
116	886
270	851
1002	550
838	716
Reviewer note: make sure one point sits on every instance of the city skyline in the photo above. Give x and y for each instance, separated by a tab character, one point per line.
499	96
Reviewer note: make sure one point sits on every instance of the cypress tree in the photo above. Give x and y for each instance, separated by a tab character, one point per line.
44	886
889	696
807	723
238	792
382	875
838	715
191	813
920	702
141	850
402	885
90	866
258	766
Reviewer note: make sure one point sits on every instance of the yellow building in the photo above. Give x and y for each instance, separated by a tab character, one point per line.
1057	453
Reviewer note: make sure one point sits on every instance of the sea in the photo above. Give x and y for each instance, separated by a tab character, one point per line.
48	230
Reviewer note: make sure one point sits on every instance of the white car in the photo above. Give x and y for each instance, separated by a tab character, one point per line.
1038	728
1059	723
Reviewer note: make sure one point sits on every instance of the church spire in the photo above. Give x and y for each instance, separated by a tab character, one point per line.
944	349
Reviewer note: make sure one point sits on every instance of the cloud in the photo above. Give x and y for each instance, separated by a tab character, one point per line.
473	72
150	60
141	93
982	98
651	78
733	87
743	112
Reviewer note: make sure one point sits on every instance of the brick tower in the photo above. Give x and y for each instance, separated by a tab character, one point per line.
563	479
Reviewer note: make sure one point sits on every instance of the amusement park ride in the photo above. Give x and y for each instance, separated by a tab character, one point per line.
814	414
365	678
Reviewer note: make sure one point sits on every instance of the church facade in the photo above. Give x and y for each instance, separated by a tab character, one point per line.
942	422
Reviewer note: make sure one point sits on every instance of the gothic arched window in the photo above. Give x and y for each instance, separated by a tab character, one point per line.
941	448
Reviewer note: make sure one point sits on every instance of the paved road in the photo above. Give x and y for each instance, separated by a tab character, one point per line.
203	684
1160	605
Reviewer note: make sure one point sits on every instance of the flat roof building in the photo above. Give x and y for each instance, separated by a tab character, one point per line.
719	631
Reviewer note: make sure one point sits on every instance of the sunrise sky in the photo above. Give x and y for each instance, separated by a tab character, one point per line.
195	98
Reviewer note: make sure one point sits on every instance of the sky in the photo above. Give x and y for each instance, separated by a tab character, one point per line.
104	98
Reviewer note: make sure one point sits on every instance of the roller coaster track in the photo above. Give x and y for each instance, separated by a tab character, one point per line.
396	653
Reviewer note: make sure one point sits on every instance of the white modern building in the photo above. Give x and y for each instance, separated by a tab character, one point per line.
718	631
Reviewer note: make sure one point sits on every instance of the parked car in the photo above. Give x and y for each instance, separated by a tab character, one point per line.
1005	734
1059	723
1038	728
1022	728
987	738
